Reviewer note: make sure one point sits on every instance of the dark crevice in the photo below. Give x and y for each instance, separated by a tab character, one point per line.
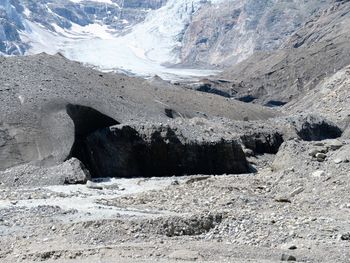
261	143
247	99
275	103
319	131
86	121
208	88
169	113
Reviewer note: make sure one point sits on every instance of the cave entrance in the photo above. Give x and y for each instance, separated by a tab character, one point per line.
86	121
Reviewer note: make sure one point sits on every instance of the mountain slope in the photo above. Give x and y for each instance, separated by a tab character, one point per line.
285	74
231	31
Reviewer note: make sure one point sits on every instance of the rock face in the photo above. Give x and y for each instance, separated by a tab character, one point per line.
152	150
231	31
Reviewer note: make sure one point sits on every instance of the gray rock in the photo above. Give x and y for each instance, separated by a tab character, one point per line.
187	255
321	156
75	171
338	161
296	191
342	155
92	185
334	144
286	257
319	173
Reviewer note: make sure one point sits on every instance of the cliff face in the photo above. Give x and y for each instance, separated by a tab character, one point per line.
231	31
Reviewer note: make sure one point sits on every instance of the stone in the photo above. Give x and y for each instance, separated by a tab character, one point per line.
345	237
318	173
75	171
296	191
282	199
92	185
286	257
335	144
338	161
321	156
187	255
313	152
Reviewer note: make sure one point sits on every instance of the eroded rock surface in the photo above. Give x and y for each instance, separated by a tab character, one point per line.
161	150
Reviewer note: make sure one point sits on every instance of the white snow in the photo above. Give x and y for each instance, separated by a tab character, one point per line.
97	1
145	51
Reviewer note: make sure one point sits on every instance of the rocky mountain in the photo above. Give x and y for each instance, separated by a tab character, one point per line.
23	19
316	51
231	31
146	37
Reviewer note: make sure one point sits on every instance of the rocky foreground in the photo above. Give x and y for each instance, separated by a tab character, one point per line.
106	168
295	208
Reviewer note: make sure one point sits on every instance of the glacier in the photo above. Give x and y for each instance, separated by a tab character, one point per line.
148	49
